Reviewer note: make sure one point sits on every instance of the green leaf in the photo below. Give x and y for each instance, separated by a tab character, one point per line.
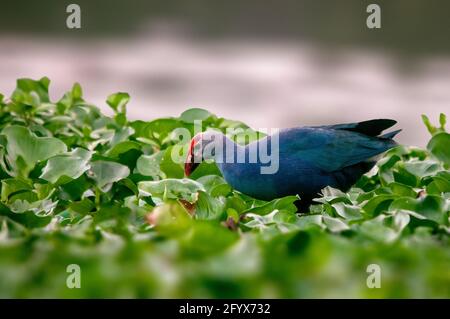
215	185
376	229
111	212
121	148
11	186
348	212
218	238
284	203
422	168
75	96
160	129
439	146
208	207
401	220
171	168
148	165
191	115
402	190
442	120
335	225
385	165
82	207
105	173
431	128
118	101
309	221
62	169
221	190
332	195
278	221
27	219
31	92
440	184
378	204
235	202
24	149
77	92
402	176
431	207
171	188
76	189
171	219
205	169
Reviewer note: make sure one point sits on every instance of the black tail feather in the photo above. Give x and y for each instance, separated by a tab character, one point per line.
390	135
371	127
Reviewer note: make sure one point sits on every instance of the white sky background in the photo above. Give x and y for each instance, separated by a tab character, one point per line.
265	84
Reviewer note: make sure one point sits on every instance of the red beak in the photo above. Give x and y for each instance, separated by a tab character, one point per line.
190	165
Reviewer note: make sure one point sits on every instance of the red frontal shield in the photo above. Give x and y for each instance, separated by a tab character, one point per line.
191	164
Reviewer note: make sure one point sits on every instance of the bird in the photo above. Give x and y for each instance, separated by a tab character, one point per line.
310	158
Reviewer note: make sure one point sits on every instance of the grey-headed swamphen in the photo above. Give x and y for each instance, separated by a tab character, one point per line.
302	160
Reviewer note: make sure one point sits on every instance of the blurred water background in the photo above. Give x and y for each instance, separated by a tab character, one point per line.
267	63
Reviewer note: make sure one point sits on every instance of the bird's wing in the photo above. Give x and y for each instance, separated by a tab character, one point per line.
331	149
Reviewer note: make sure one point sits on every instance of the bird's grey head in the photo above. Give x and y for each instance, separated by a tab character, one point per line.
203	147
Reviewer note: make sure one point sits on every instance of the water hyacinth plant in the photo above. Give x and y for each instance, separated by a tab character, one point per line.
103	192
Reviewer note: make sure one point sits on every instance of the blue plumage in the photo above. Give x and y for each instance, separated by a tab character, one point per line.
310	158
